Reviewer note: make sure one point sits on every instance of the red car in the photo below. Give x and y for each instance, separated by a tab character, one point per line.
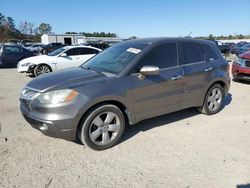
241	67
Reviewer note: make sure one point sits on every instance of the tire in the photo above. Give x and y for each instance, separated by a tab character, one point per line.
96	131
41	69
45	52
214	100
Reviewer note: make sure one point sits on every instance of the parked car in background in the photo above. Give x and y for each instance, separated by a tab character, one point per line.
242	49
35	48
126	83
236	46
224	48
51	47
100	45
241	67
10	55
62	58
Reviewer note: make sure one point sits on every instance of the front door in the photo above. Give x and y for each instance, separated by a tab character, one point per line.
73	59
158	94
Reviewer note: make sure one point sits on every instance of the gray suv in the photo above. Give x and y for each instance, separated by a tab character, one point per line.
126	83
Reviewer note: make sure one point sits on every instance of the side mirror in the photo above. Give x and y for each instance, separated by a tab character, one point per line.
63	55
148	70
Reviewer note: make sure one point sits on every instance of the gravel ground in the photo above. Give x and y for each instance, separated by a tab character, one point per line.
182	149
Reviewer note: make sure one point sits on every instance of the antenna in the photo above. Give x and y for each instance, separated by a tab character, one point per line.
189	35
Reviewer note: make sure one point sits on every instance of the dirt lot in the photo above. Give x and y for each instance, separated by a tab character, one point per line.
182	149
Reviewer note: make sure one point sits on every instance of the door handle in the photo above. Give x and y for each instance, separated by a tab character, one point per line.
77	57
208	69
176	77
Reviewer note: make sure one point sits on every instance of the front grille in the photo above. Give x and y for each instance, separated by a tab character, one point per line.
247	63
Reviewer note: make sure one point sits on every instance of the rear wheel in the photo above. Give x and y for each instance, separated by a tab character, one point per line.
103	127
41	69
213	101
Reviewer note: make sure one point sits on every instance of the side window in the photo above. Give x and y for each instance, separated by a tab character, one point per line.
209	53
190	53
13	49
87	51
163	56
72	52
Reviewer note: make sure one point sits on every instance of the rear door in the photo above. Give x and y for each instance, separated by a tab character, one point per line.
192	59
158	94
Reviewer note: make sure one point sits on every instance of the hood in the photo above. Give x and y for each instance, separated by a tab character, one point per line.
63	79
245	55
37	59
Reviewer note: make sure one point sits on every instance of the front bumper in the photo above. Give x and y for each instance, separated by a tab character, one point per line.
25	69
239	72
50	128
59	121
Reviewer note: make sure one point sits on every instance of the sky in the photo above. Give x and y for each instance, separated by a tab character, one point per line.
141	18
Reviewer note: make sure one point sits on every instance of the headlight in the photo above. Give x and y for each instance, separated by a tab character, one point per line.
58	96
26	64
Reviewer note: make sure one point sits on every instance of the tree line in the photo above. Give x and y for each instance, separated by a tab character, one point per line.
222	37
25	30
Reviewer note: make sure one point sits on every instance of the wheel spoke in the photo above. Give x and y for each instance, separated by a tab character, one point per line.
114	127
94	135
210	106
210	99
110	116
218	96
105	137
98	121
216	104
214	92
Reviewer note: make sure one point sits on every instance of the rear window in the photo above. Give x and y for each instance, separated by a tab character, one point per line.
210	54
190	53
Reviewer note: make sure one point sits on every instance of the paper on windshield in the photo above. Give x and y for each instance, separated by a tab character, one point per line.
134	50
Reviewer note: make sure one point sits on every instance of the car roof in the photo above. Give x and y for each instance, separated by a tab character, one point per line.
83	46
169	39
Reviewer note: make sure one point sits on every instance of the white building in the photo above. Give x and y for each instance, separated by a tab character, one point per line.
76	39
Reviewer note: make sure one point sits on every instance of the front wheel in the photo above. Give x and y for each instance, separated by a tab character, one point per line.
213	102
103	127
41	69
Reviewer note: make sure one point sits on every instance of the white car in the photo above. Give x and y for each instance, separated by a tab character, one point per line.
62	58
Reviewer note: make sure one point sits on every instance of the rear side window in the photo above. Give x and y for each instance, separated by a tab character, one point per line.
86	51
72	52
163	56
210	54
13	49
190	53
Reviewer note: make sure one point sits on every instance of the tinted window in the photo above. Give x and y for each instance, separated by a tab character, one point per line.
209	53
190	53
163	56
86	51
72	52
13	49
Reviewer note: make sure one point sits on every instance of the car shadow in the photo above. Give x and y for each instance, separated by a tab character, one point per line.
242	81
164	120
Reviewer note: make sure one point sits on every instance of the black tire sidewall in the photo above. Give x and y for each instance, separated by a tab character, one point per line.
208	111
86	122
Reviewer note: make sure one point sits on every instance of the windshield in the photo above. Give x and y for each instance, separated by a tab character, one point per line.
58	51
115	58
